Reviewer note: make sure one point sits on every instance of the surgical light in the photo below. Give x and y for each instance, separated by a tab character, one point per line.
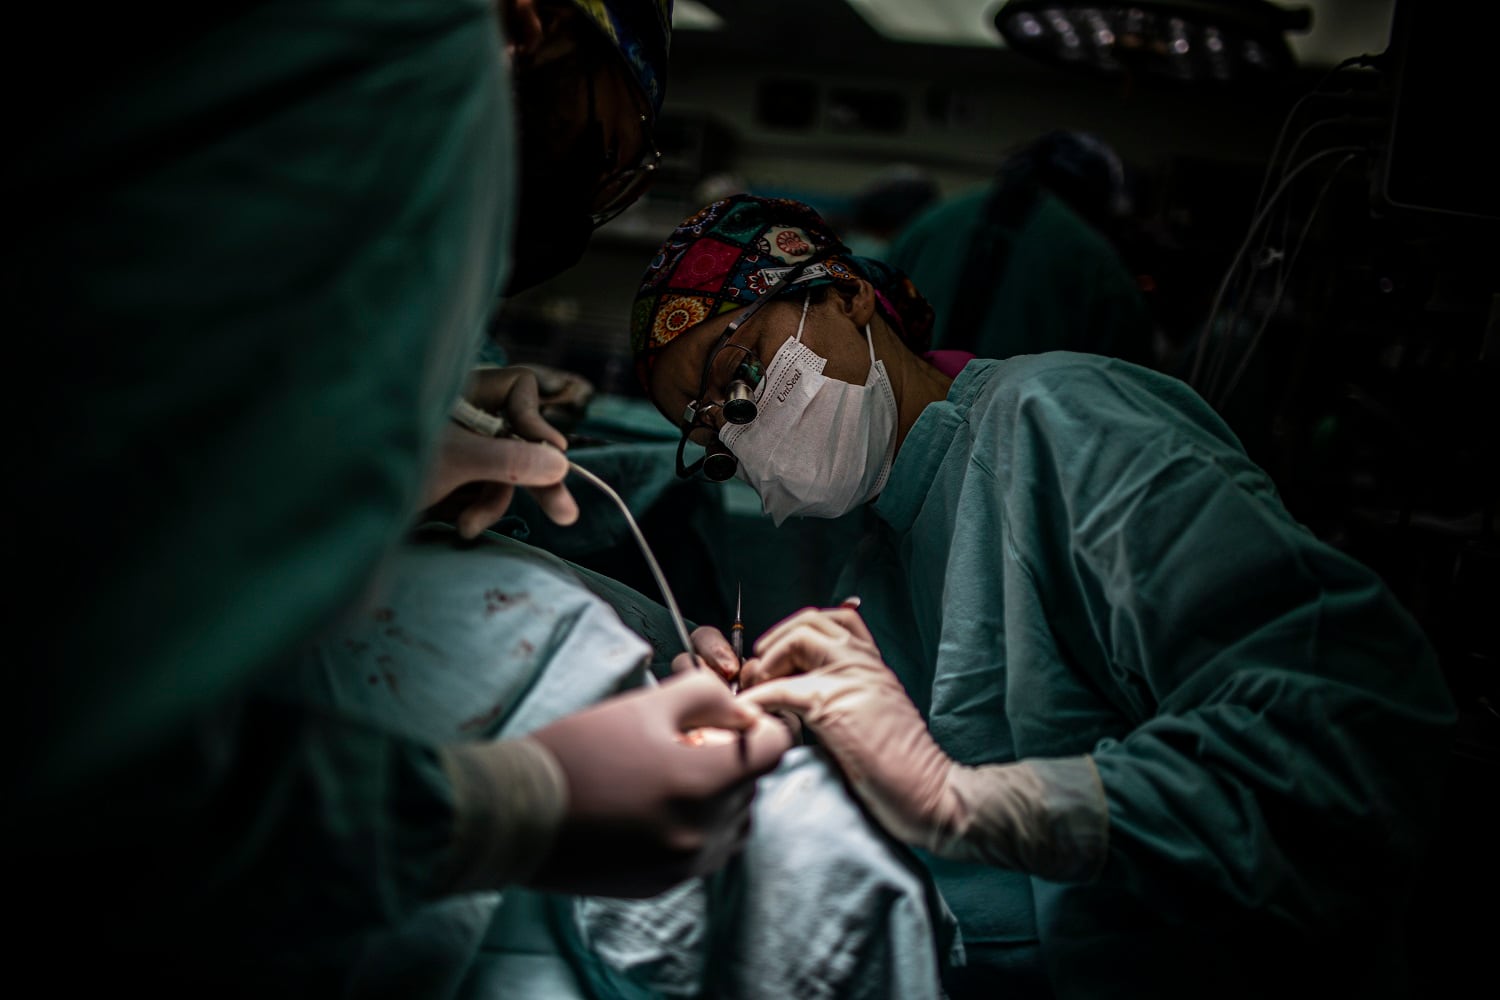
1227	41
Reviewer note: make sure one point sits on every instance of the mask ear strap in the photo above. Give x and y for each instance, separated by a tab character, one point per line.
806	298
870	339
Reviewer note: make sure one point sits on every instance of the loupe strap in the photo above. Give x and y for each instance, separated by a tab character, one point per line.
687	471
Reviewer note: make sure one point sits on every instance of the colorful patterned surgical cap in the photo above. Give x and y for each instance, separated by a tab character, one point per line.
730	253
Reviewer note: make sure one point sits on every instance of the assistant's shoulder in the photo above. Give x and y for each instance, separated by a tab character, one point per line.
947	220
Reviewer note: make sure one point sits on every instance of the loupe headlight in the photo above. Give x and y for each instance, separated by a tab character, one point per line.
719	463
739	404
740	407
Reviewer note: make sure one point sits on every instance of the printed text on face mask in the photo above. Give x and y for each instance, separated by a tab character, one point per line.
791	384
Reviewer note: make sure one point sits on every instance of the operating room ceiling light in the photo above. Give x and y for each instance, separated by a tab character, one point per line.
1227	41
690	15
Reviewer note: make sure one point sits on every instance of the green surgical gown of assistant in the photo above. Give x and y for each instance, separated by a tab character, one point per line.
1053	282
253	247
1074	556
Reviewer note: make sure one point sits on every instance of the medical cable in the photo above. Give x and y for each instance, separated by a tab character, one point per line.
1245	246
1282	282
640	539
1296	147
1244	293
1316	91
493	425
1367	60
1267	256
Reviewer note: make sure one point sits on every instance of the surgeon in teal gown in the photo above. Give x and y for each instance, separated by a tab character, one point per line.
1153	736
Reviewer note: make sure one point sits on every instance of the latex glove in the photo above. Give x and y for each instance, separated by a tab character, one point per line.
710	649
524	394
565	395
494	467
646	810
1043	817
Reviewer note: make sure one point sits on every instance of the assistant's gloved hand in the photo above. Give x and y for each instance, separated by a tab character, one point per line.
497	465
711	649
645	808
565	395
1044	817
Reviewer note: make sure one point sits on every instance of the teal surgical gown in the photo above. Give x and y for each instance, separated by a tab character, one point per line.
253	250
1074	556
1057	284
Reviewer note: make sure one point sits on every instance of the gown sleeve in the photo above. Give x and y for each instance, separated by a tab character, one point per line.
1291	716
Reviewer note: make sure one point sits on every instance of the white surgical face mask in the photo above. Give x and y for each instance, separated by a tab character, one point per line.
817	447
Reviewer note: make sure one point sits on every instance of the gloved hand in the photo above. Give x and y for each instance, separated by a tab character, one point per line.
646	810
498	465
711	649
565	395
1044	817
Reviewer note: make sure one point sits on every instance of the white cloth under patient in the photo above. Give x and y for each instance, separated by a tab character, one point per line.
496	638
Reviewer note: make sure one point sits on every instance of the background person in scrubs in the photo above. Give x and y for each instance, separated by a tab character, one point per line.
258	246
1152	736
1026	264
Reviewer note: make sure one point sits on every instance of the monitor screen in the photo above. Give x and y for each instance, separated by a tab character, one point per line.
1441	155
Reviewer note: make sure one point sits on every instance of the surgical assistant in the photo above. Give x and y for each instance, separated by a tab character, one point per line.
258	249
1153	737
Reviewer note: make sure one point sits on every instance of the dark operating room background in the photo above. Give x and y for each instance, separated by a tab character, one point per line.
1355	349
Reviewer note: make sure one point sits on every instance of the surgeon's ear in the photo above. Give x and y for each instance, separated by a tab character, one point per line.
523	29
541	33
857	301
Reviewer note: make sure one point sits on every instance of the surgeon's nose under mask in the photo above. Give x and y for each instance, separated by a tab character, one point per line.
817	447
